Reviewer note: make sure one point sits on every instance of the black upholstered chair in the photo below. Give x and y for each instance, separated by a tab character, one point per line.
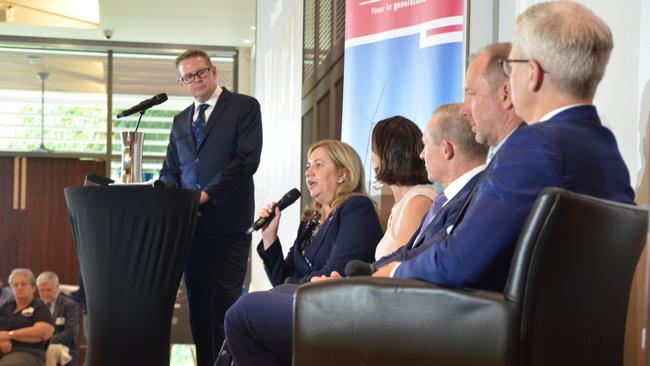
564	303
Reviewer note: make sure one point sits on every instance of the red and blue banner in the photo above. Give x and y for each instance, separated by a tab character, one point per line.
401	57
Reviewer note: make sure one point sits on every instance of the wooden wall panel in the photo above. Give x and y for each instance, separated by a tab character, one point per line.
39	236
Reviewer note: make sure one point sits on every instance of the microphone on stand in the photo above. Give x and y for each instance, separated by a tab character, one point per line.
144	105
286	200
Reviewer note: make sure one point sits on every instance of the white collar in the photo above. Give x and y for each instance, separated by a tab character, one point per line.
212	101
454	187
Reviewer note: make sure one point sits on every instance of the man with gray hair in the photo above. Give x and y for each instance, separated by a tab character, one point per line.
559	56
65	313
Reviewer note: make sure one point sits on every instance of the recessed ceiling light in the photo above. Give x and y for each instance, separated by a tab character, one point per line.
253	27
247	41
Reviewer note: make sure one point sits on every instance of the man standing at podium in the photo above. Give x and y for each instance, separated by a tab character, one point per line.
215	146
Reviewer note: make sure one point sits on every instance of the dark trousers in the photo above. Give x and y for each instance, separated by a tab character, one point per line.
259	327
214	276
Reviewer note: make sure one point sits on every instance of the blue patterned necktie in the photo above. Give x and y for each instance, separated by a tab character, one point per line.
435	208
197	126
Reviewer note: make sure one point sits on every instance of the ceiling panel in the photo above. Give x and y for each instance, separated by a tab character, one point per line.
198	22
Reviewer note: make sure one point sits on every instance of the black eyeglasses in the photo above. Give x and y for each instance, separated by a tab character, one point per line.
507	68
189	78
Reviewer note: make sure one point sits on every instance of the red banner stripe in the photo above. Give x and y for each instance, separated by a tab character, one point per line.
449	28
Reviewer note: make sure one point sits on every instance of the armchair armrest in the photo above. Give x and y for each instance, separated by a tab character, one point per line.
386	321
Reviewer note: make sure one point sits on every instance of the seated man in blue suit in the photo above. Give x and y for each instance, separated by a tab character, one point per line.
558	57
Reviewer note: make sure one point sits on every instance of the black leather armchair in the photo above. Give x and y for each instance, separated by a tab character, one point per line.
564	303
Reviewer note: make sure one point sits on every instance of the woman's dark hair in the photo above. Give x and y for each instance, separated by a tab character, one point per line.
397	141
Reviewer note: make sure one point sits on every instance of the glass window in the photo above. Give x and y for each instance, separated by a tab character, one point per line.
52	100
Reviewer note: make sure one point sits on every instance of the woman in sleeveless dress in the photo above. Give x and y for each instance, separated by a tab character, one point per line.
396	148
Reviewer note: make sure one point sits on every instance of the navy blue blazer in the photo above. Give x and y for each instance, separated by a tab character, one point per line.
572	151
438	226
351	232
224	163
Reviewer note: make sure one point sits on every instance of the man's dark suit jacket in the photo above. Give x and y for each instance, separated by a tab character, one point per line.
572	151
351	232
437	229
66	323
224	163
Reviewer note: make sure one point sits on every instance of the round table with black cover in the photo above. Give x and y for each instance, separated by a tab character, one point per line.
132	243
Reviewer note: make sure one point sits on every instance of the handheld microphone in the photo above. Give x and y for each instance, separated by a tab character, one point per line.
285	201
356	267
144	105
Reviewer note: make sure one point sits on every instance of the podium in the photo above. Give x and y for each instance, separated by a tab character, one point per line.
132	243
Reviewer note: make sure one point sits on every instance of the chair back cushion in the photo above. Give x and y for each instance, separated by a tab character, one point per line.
571	274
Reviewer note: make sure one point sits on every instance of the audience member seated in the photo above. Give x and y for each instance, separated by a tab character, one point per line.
339	225
5	294
25	323
65	312
396	146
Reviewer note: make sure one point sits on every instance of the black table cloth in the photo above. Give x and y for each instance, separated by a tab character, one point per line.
132	243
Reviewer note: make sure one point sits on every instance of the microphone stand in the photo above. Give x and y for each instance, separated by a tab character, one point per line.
139	118
42	76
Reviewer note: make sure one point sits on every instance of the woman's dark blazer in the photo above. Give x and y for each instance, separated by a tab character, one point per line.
351	232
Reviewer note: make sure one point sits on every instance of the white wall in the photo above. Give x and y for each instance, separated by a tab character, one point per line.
245	71
618	97
278	87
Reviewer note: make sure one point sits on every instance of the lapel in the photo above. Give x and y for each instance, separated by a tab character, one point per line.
314	246
470	196
57	307
185	128
222	102
442	215
412	243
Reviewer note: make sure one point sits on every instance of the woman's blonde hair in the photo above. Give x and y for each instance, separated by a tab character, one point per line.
344	157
